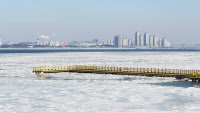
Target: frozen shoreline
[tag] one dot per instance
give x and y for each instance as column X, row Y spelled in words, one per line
column 52, row 50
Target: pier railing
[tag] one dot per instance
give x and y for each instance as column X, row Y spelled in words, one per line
column 117, row 69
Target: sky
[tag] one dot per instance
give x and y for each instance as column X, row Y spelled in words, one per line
column 70, row 20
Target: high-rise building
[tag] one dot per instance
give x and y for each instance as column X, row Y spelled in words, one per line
column 168, row 44
column 165, row 43
column 141, row 40
column 38, row 41
column 137, row 34
column 124, row 42
column 133, row 42
column 159, row 43
column 130, row 42
column 155, row 41
column 151, row 41
column 146, row 39
column 118, row 40
column 110, row 42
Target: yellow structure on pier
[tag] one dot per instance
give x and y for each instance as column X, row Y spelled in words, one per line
column 192, row 74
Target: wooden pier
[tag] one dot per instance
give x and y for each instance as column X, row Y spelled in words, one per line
column 192, row 74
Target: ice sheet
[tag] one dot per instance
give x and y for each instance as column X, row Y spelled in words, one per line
column 23, row 91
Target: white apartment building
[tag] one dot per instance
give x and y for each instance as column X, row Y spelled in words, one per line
column 146, row 39
column 159, row 43
column 141, row 40
column 130, row 42
column 151, row 41
column 165, row 43
column 137, row 36
column 155, row 41
column 124, row 42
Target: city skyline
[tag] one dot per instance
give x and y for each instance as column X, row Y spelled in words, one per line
column 144, row 35
column 86, row 20
column 140, row 40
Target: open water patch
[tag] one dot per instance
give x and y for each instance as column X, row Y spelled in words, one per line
column 184, row 84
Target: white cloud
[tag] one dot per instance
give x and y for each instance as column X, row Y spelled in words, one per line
column 44, row 36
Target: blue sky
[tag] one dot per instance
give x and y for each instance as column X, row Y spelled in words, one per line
column 68, row 20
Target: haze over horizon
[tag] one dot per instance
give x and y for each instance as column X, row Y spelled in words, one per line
column 67, row 20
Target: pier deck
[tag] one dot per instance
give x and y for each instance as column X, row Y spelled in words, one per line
column 192, row 74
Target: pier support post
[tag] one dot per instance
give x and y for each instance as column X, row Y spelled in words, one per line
column 193, row 80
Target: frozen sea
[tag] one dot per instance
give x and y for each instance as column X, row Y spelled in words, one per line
column 23, row 91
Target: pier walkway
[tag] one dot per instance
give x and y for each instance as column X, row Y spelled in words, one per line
column 192, row 74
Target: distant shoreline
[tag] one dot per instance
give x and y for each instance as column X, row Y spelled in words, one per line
column 48, row 50
column 67, row 48
column 83, row 48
